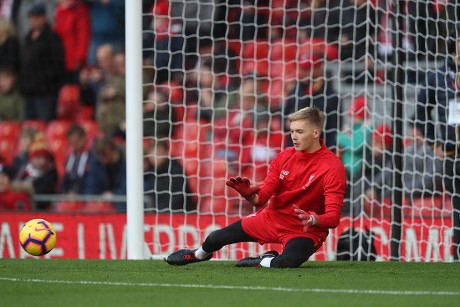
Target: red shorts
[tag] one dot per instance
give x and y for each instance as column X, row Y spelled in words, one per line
column 265, row 229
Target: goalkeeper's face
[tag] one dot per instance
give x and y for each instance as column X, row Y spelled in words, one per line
column 305, row 136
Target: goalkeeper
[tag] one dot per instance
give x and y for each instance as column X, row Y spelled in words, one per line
column 305, row 185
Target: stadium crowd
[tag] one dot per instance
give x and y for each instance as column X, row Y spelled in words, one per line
column 216, row 96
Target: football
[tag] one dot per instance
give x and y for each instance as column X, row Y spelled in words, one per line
column 37, row 237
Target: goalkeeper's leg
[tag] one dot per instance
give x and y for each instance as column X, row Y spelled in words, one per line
column 296, row 252
column 215, row 241
column 233, row 233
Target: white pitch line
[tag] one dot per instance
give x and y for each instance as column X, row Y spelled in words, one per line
column 315, row 290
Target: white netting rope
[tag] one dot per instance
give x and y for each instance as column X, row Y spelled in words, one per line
column 244, row 65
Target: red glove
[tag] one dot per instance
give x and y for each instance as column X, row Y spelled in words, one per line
column 243, row 186
column 308, row 219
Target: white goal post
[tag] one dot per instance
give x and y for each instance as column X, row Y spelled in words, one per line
column 134, row 151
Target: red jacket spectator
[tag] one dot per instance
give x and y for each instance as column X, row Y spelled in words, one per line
column 9, row 199
column 72, row 23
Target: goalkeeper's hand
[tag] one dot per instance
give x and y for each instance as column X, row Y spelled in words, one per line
column 308, row 219
column 243, row 186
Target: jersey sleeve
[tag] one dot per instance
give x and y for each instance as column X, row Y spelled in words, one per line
column 334, row 193
column 271, row 182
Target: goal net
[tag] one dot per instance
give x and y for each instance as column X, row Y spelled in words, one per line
column 220, row 78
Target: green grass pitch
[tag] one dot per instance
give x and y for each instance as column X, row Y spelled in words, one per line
column 31, row 282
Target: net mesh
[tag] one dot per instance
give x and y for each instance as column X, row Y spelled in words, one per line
column 220, row 78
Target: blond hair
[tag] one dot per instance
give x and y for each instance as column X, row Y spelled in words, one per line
column 311, row 114
column 7, row 29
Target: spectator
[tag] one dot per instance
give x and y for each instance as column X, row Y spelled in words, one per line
column 165, row 182
column 93, row 78
column 319, row 14
column 355, row 29
column 107, row 26
column 72, row 24
column 157, row 115
column 422, row 175
column 426, row 28
column 435, row 116
column 451, row 11
column 213, row 98
column 232, row 131
column 11, row 100
column 11, row 200
column 378, row 172
column 386, row 30
column 28, row 135
column 22, row 13
column 42, row 67
column 313, row 89
column 9, row 46
column 215, row 56
column 198, row 17
column 39, row 176
column 107, row 174
column 88, row 88
column 250, row 25
column 78, row 163
column 146, row 13
column 105, row 68
column 352, row 143
column 111, row 104
column 9, row 9
column 264, row 144
column 167, row 39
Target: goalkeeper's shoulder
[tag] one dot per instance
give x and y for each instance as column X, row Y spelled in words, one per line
column 334, row 165
column 284, row 155
column 287, row 152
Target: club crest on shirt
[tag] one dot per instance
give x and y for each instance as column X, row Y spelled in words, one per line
column 309, row 181
column 283, row 174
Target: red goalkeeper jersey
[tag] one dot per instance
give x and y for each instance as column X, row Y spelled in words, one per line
column 313, row 181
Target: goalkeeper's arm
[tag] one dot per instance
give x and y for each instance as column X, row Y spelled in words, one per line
column 330, row 219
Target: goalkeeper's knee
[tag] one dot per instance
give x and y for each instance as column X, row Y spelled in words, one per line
column 287, row 261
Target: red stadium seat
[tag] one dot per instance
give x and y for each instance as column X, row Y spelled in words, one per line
column 58, row 147
column 256, row 50
column 234, row 46
column 8, row 150
column 187, row 138
column 284, row 51
column 57, row 129
column 320, row 48
column 256, row 67
column 10, row 130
